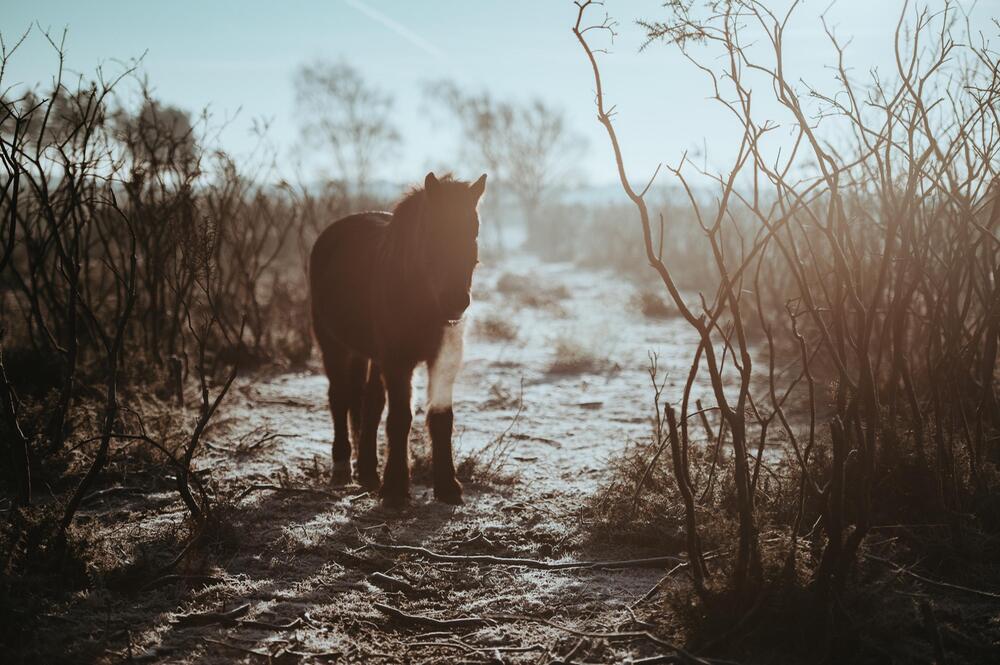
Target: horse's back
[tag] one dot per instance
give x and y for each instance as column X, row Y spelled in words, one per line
column 340, row 280
column 346, row 236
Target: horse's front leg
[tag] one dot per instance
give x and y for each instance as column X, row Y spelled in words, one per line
column 396, row 477
column 441, row 417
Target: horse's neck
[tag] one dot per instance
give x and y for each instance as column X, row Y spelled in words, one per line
column 402, row 246
column 402, row 268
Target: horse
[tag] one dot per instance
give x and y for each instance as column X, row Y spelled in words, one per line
column 388, row 292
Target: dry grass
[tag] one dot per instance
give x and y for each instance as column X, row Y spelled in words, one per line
column 653, row 304
column 572, row 356
column 495, row 326
column 640, row 505
column 532, row 291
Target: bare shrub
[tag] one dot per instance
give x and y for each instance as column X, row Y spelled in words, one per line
column 531, row 290
column 866, row 261
column 501, row 397
column 490, row 463
column 138, row 264
column 652, row 304
column 573, row 356
column 495, row 326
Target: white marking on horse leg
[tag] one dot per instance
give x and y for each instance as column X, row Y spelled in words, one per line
column 442, row 371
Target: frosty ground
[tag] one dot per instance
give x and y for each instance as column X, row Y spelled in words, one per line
column 554, row 385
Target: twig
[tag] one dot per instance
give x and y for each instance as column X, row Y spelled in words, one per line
column 526, row 563
column 209, row 618
column 445, row 624
column 390, row 583
column 684, row 656
column 265, row 625
column 357, row 497
column 237, row 647
column 656, row 587
column 111, row 491
column 946, row 585
column 285, row 490
column 317, row 654
column 180, row 555
column 446, row 645
column 167, row 579
column 715, row 554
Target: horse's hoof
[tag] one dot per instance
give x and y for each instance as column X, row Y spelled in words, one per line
column 394, row 496
column 341, row 473
column 449, row 492
column 395, row 501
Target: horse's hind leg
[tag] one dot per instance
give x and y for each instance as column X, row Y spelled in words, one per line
column 440, row 416
column 337, row 363
column 372, row 405
column 357, row 368
column 395, row 489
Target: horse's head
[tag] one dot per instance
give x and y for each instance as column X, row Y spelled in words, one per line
column 451, row 241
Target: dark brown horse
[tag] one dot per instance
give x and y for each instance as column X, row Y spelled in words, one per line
column 388, row 292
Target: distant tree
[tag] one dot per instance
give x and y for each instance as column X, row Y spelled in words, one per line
column 528, row 149
column 338, row 107
column 158, row 137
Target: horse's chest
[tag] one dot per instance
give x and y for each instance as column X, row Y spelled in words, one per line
column 411, row 341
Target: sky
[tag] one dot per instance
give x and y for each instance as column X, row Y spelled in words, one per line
column 239, row 58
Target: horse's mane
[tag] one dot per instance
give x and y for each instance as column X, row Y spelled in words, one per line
column 410, row 207
column 405, row 230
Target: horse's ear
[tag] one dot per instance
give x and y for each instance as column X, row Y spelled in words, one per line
column 431, row 182
column 478, row 187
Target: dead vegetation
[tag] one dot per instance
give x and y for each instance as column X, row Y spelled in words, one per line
column 575, row 356
column 151, row 512
column 531, row 291
column 496, row 326
column 866, row 261
column 652, row 304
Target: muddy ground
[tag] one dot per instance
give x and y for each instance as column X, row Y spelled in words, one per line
column 554, row 384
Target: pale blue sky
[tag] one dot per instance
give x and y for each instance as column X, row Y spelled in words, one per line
column 232, row 55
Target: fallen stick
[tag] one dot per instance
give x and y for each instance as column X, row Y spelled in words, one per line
column 445, row 624
column 286, row 490
column 111, row 491
column 242, row 448
column 180, row 556
column 209, row 618
column 682, row 655
column 947, row 585
column 659, row 585
column 665, row 659
column 264, row 625
column 237, row 647
column 312, row 654
column 390, row 583
column 167, row 579
column 445, row 645
column 526, row 563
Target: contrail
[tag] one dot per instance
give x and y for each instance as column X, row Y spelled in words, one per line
column 400, row 30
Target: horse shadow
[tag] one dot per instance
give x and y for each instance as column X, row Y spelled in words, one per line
column 288, row 556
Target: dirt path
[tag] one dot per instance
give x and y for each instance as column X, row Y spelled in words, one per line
column 537, row 417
